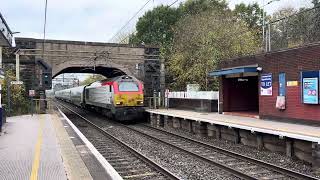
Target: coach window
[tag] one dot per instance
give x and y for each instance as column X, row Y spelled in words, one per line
column 282, row 84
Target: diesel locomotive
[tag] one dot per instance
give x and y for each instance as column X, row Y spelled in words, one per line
column 120, row 98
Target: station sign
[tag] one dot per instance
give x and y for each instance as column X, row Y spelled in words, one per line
column 16, row 82
column 193, row 87
column 32, row 93
column 167, row 92
column 266, row 85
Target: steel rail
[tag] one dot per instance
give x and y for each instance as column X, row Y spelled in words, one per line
column 220, row 165
column 267, row 165
column 217, row 164
column 153, row 164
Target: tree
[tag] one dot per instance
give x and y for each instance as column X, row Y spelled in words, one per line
column 291, row 27
column 315, row 18
column 251, row 14
column 201, row 41
column 92, row 78
column 193, row 7
column 155, row 26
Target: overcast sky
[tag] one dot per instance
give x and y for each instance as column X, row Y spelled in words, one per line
column 90, row 20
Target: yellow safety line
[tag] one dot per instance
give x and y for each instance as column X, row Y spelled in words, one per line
column 36, row 160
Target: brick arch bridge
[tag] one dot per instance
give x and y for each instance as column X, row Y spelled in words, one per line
column 108, row 59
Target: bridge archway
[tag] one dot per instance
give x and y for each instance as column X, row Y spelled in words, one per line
column 108, row 72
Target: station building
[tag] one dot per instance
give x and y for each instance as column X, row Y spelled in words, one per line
column 281, row 85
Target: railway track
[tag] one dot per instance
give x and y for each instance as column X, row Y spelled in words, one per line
column 129, row 163
column 236, row 164
column 242, row 166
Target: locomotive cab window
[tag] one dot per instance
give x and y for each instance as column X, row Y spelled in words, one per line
column 128, row 86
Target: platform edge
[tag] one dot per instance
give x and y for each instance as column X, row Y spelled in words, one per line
column 109, row 169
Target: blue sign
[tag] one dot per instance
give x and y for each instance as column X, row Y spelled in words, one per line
column 282, row 84
column 266, row 85
column 310, row 90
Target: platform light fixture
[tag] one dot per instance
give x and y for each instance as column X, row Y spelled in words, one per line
column 259, row 69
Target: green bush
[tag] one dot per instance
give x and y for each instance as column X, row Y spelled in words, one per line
column 18, row 99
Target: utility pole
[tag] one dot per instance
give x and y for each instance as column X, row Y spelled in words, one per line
column 266, row 34
column 17, row 67
column 162, row 80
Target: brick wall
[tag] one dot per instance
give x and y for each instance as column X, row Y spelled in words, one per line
column 291, row 62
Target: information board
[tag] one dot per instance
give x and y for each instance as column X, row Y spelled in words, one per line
column 266, row 85
column 310, row 88
column 32, row 93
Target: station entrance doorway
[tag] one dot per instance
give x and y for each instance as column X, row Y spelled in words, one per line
column 241, row 96
column 240, row 91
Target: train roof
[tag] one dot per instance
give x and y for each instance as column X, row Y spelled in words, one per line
column 117, row 78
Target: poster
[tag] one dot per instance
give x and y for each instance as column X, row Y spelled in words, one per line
column 310, row 91
column 266, row 85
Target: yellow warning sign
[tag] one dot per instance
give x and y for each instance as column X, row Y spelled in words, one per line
column 292, row 83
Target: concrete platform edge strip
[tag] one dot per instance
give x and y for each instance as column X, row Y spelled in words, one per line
column 250, row 128
column 109, row 169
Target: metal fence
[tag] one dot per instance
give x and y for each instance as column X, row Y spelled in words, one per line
column 292, row 28
column 41, row 106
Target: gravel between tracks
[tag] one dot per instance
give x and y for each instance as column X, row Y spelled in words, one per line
column 264, row 155
column 177, row 162
column 190, row 168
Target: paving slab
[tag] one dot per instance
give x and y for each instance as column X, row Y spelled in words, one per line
column 29, row 149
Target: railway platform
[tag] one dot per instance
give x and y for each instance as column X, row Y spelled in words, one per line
column 44, row 146
column 293, row 139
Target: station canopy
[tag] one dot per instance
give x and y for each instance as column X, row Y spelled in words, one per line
column 5, row 33
column 235, row 70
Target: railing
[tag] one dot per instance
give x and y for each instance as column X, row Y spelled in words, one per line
column 209, row 95
column 40, row 106
column 154, row 102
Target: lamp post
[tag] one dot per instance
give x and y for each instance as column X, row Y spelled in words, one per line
column 264, row 24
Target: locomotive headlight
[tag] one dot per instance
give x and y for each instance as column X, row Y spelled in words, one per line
column 119, row 103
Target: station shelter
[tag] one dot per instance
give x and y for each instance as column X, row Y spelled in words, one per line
column 282, row 85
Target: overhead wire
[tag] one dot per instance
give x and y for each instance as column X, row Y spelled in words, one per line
column 123, row 39
column 130, row 20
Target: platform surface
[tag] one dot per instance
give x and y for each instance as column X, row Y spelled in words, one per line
column 30, row 149
column 292, row 130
